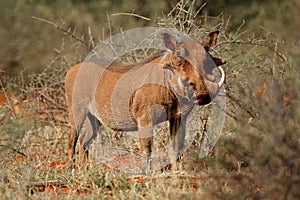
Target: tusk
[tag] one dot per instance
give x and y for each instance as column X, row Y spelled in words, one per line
column 220, row 83
column 180, row 84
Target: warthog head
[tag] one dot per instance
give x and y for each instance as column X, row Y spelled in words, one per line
column 196, row 66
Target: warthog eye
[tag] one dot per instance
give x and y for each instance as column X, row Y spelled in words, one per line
column 192, row 84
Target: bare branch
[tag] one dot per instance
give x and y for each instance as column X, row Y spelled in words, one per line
column 61, row 28
column 131, row 14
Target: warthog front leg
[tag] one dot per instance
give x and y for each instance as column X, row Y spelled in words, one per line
column 146, row 140
column 177, row 131
column 73, row 137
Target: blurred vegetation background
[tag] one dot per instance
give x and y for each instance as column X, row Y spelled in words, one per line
column 29, row 44
column 257, row 156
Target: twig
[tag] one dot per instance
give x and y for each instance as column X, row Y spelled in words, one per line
column 92, row 42
column 259, row 43
column 201, row 7
column 132, row 14
column 43, row 183
column 239, row 103
column 174, row 8
column 68, row 32
column 15, row 150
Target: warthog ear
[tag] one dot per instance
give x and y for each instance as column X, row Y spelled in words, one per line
column 211, row 40
column 170, row 41
column 181, row 52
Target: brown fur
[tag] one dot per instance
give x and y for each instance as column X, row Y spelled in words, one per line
column 146, row 105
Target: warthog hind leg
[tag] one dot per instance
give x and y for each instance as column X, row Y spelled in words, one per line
column 87, row 136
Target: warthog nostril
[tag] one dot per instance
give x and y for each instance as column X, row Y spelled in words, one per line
column 191, row 87
column 194, row 99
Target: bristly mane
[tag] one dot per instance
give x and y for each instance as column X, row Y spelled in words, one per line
column 123, row 68
column 152, row 57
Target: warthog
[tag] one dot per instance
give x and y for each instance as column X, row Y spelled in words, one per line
column 177, row 79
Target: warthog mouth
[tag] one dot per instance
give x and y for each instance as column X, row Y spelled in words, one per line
column 208, row 95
